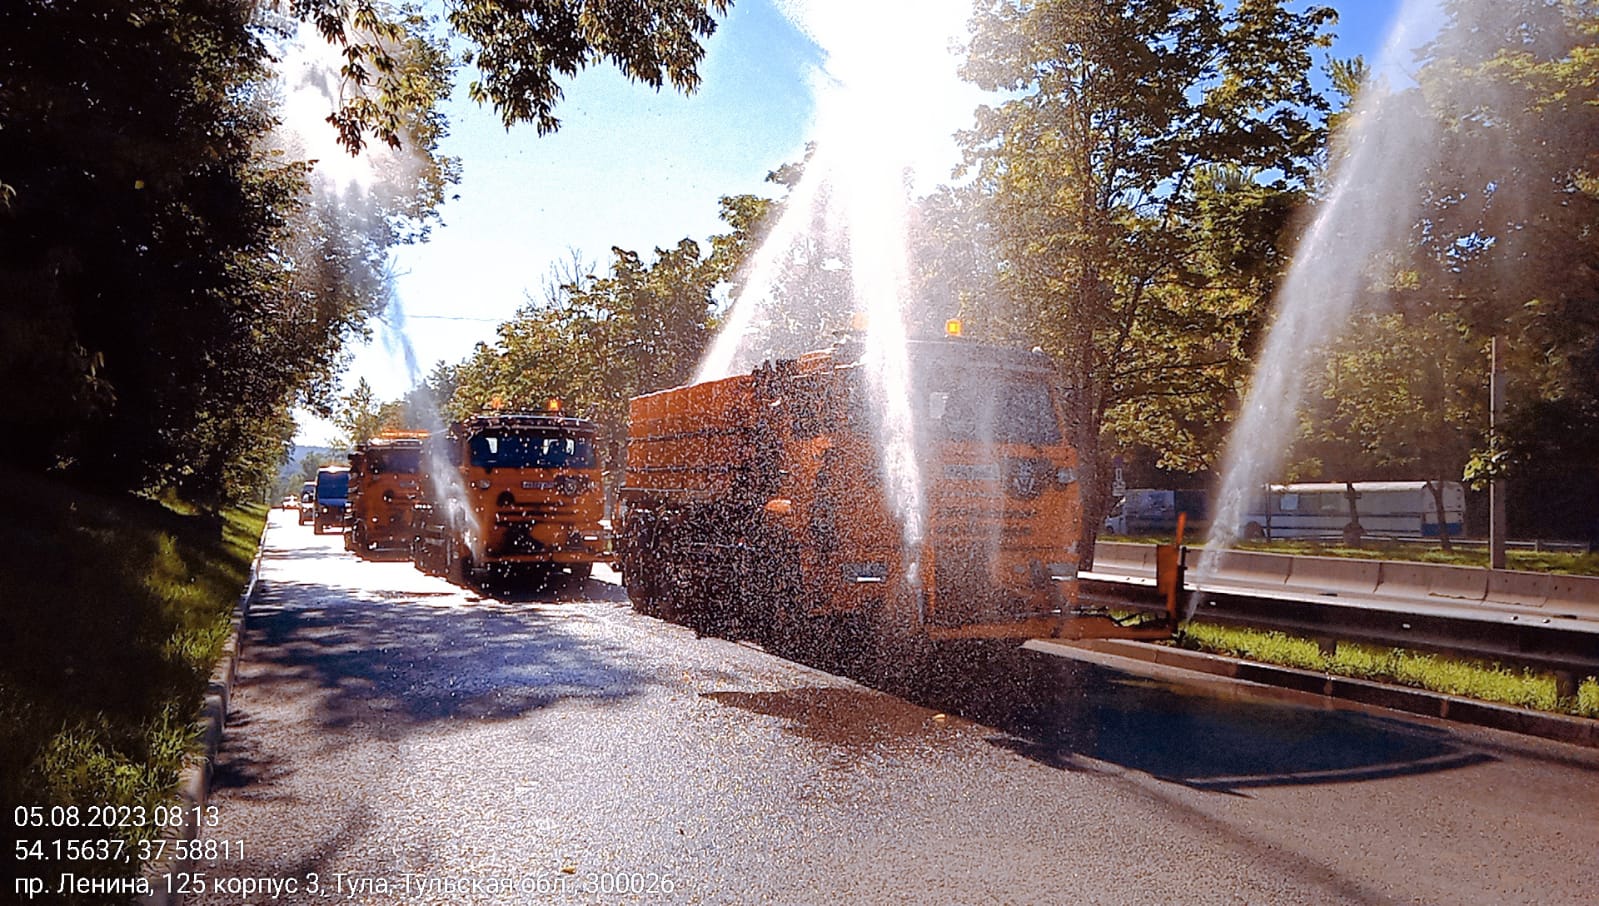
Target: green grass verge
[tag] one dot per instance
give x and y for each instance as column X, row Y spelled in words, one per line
column 112, row 612
column 1532, row 561
column 1469, row 679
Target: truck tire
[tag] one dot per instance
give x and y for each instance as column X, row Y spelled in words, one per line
column 897, row 650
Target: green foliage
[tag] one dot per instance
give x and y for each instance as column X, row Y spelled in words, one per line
column 96, row 701
column 1508, row 237
column 520, row 51
column 1504, row 246
column 595, row 342
column 1521, row 559
column 172, row 284
column 1469, row 679
column 310, row 464
column 1139, row 176
column 174, row 280
column 360, row 415
column 1400, row 395
column 598, row 341
column 1485, row 466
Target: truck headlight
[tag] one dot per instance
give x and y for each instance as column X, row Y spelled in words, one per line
column 1062, row 572
column 865, row 573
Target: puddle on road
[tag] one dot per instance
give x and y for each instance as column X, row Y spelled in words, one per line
column 849, row 718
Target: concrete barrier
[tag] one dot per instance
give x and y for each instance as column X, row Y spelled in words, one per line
column 1458, row 583
column 1124, row 557
column 1247, row 568
column 1333, row 574
column 1577, row 595
column 1523, row 589
column 1405, row 580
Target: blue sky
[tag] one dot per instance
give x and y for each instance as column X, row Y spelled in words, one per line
column 629, row 167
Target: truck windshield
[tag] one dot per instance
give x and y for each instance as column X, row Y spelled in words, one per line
column 540, row 450
column 988, row 406
column 381, row 462
column 331, row 485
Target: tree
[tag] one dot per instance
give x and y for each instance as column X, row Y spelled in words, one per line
column 178, row 281
column 520, row 51
column 598, row 341
column 361, row 416
column 1141, row 170
column 1508, row 236
column 1402, row 395
column 174, row 277
column 311, row 463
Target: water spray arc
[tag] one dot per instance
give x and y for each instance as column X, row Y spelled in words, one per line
column 1371, row 207
column 878, row 112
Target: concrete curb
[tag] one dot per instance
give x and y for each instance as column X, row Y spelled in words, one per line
column 1340, row 691
column 194, row 784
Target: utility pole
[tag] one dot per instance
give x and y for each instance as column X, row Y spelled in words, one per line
column 1496, row 487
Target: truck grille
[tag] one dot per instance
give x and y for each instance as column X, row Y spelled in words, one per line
column 967, row 590
column 528, row 512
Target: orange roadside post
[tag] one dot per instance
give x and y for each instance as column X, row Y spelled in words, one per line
column 1169, row 568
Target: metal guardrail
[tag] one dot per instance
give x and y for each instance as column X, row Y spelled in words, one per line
column 1538, row 620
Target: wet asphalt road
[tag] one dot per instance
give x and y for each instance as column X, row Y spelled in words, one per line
column 397, row 740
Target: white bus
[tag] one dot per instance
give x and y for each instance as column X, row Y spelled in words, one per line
column 1387, row 509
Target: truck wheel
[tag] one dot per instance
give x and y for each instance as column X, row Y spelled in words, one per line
column 897, row 651
column 639, row 593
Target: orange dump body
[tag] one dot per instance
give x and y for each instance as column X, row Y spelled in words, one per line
column 513, row 490
column 783, row 473
column 384, row 488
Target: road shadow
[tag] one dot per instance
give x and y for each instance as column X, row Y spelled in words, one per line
column 559, row 588
column 397, row 659
column 1206, row 735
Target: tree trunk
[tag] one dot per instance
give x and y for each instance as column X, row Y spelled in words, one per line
column 1437, row 488
column 1093, row 499
column 1354, row 532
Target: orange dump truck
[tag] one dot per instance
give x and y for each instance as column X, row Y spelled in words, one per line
column 756, row 505
column 511, row 493
column 383, row 492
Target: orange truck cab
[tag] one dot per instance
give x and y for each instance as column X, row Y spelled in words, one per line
column 384, row 476
column 759, row 505
column 511, row 493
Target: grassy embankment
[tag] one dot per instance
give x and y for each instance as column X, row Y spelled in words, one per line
column 1469, row 679
column 1532, row 561
column 112, row 613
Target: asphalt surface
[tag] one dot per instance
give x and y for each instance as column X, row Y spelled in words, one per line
column 395, row 739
